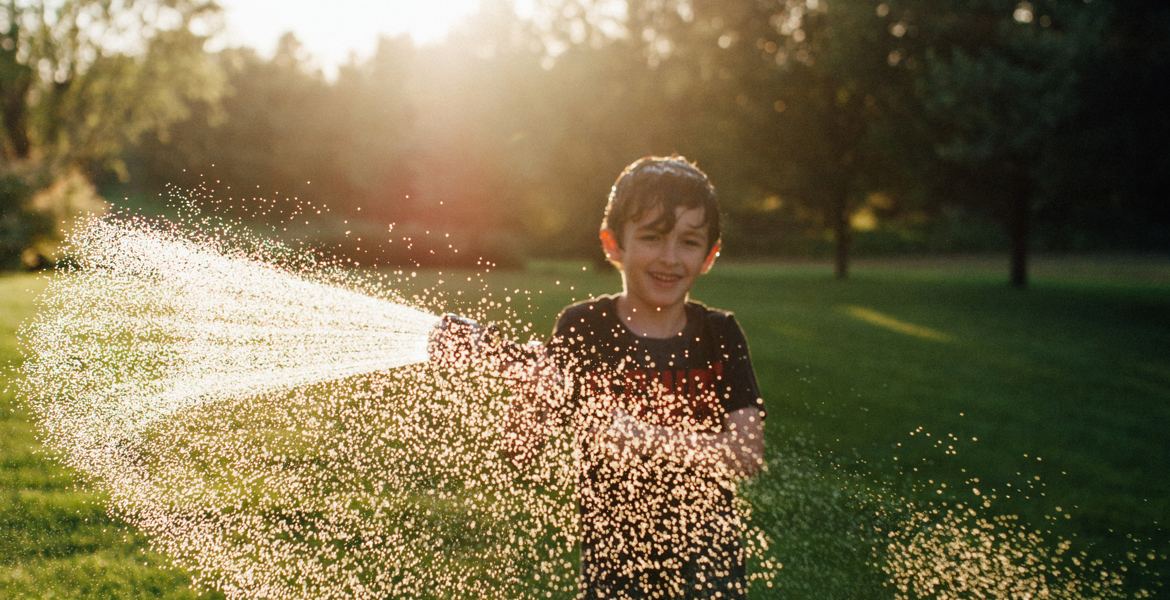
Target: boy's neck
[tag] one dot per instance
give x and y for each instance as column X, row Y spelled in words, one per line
column 651, row 321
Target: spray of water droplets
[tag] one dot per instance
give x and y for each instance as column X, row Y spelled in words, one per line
column 152, row 325
column 277, row 431
column 844, row 534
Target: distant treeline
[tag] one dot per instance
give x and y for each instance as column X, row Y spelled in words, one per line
column 828, row 126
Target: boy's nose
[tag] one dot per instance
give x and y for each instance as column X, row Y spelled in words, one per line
column 669, row 252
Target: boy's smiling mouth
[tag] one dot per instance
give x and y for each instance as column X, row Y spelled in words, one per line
column 665, row 277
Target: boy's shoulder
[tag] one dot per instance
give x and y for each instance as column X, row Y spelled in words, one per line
column 602, row 310
column 588, row 312
column 603, row 302
column 694, row 307
column 720, row 323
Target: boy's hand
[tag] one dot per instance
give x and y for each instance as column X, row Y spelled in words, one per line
column 456, row 342
column 525, row 366
column 534, row 378
column 538, row 389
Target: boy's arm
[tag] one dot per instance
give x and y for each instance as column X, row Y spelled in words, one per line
column 535, row 379
column 526, row 428
column 736, row 451
column 529, row 420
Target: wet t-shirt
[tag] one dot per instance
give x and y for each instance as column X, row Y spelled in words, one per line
column 644, row 519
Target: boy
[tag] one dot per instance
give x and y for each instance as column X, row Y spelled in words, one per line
column 661, row 394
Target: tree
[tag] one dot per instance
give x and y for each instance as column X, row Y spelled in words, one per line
column 20, row 228
column 562, row 105
column 1110, row 176
column 999, row 82
column 82, row 79
column 281, row 124
column 838, row 83
column 86, row 78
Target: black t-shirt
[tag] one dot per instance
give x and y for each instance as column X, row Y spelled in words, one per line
column 641, row 517
column 691, row 381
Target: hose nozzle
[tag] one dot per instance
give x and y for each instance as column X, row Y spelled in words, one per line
column 457, row 341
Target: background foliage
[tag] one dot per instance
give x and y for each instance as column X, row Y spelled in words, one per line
column 860, row 125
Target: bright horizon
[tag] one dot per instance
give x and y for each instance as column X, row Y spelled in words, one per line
column 331, row 31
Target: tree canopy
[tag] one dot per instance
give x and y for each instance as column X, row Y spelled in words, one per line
column 830, row 127
column 80, row 82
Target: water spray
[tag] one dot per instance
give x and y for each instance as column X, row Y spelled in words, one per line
column 291, row 433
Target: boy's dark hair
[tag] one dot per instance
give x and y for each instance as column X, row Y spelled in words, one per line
column 667, row 183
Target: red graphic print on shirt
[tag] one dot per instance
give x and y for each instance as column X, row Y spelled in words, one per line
column 685, row 399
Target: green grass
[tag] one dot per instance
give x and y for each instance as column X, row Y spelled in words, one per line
column 56, row 540
column 1068, row 381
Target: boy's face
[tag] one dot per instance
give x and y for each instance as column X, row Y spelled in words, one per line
column 660, row 268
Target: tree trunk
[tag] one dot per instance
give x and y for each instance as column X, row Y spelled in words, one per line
column 843, row 236
column 14, row 115
column 15, row 81
column 1020, row 220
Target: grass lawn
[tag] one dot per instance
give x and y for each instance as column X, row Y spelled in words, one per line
column 917, row 373
column 56, row 540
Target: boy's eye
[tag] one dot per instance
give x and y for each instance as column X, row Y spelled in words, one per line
column 649, row 237
column 693, row 242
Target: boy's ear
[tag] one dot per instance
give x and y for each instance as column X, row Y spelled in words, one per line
column 711, row 256
column 609, row 243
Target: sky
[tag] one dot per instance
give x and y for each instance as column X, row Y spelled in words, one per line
column 331, row 30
